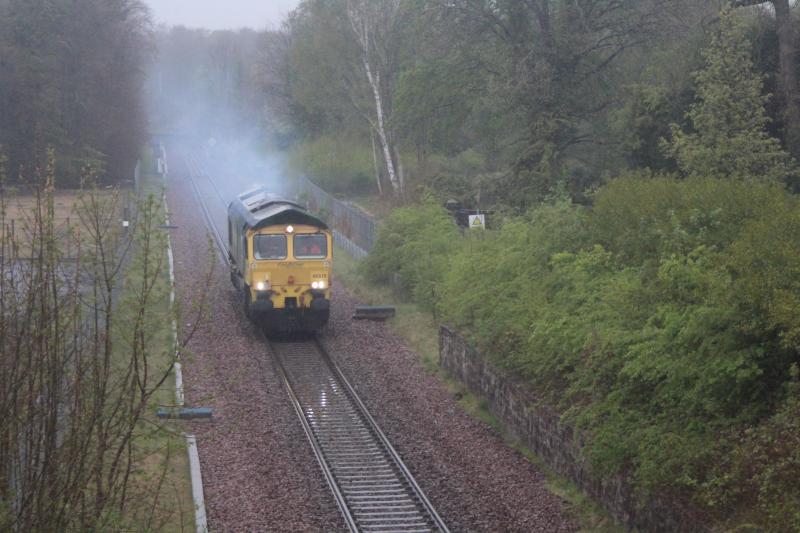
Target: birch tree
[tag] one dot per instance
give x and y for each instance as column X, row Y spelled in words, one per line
column 373, row 24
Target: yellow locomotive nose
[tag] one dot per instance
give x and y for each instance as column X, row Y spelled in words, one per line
column 281, row 261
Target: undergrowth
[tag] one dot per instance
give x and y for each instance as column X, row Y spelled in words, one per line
column 663, row 321
column 418, row 328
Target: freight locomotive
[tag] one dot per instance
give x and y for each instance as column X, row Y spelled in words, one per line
column 281, row 262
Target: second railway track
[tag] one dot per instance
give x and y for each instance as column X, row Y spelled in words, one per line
column 372, row 486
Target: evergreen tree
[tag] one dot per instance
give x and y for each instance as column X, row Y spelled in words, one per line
column 729, row 138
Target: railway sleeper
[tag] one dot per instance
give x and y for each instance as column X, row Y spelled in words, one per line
column 362, row 450
column 405, row 508
column 376, row 511
column 360, row 477
column 356, row 454
column 331, row 426
column 393, row 526
column 354, row 448
column 369, row 483
column 424, row 526
column 426, row 530
column 322, row 422
column 404, row 497
column 341, row 434
column 374, row 491
column 333, row 414
column 358, row 458
column 403, row 522
column 361, row 465
column 368, row 468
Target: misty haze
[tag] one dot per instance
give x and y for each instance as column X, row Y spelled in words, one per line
column 399, row 265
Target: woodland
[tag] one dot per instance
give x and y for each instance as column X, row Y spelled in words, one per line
column 71, row 79
column 639, row 158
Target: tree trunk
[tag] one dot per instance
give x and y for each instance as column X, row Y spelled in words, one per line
column 367, row 24
column 374, row 82
column 786, row 59
column 786, row 56
column 375, row 163
column 401, row 178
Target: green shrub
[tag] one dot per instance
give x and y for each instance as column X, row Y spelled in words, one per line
column 758, row 477
column 413, row 249
column 491, row 287
column 640, row 218
column 664, row 321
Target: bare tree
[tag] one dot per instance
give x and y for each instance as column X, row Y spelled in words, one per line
column 373, row 23
column 76, row 358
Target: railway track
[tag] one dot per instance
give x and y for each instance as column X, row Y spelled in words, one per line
column 370, row 483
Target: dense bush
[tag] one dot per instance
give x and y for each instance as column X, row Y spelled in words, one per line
column 663, row 320
column 413, row 249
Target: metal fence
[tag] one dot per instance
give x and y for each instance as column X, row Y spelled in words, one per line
column 353, row 230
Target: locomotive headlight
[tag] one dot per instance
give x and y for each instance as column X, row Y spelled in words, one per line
column 289, row 229
column 317, row 284
column 261, row 286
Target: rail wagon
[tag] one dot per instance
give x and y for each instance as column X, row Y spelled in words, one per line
column 280, row 258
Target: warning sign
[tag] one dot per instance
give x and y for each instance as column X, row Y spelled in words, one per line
column 477, row 221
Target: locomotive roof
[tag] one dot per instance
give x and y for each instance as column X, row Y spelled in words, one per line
column 259, row 208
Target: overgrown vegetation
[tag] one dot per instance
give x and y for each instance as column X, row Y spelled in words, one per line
column 413, row 323
column 660, row 315
column 84, row 357
column 662, row 321
column 509, row 102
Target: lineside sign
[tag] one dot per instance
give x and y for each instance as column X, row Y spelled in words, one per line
column 477, row 221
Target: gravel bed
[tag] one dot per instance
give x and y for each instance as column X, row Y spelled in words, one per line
column 259, row 472
column 473, row 479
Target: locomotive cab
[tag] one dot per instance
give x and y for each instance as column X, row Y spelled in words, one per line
column 280, row 257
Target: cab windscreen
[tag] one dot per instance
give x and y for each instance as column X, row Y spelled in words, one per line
column 269, row 246
column 310, row 246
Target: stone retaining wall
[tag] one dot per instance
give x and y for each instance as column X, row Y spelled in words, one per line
column 539, row 428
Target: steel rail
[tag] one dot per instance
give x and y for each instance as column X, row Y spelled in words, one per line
column 372, row 487
column 377, row 487
column 215, row 234
column 437, row 520
column 341, row 503
column 332, row 485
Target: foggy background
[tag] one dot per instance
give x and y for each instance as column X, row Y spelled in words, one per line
column 205, row 88
column 218, row 15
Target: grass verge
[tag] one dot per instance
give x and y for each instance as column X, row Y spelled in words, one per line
column 161, row 483
column 420, row 330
